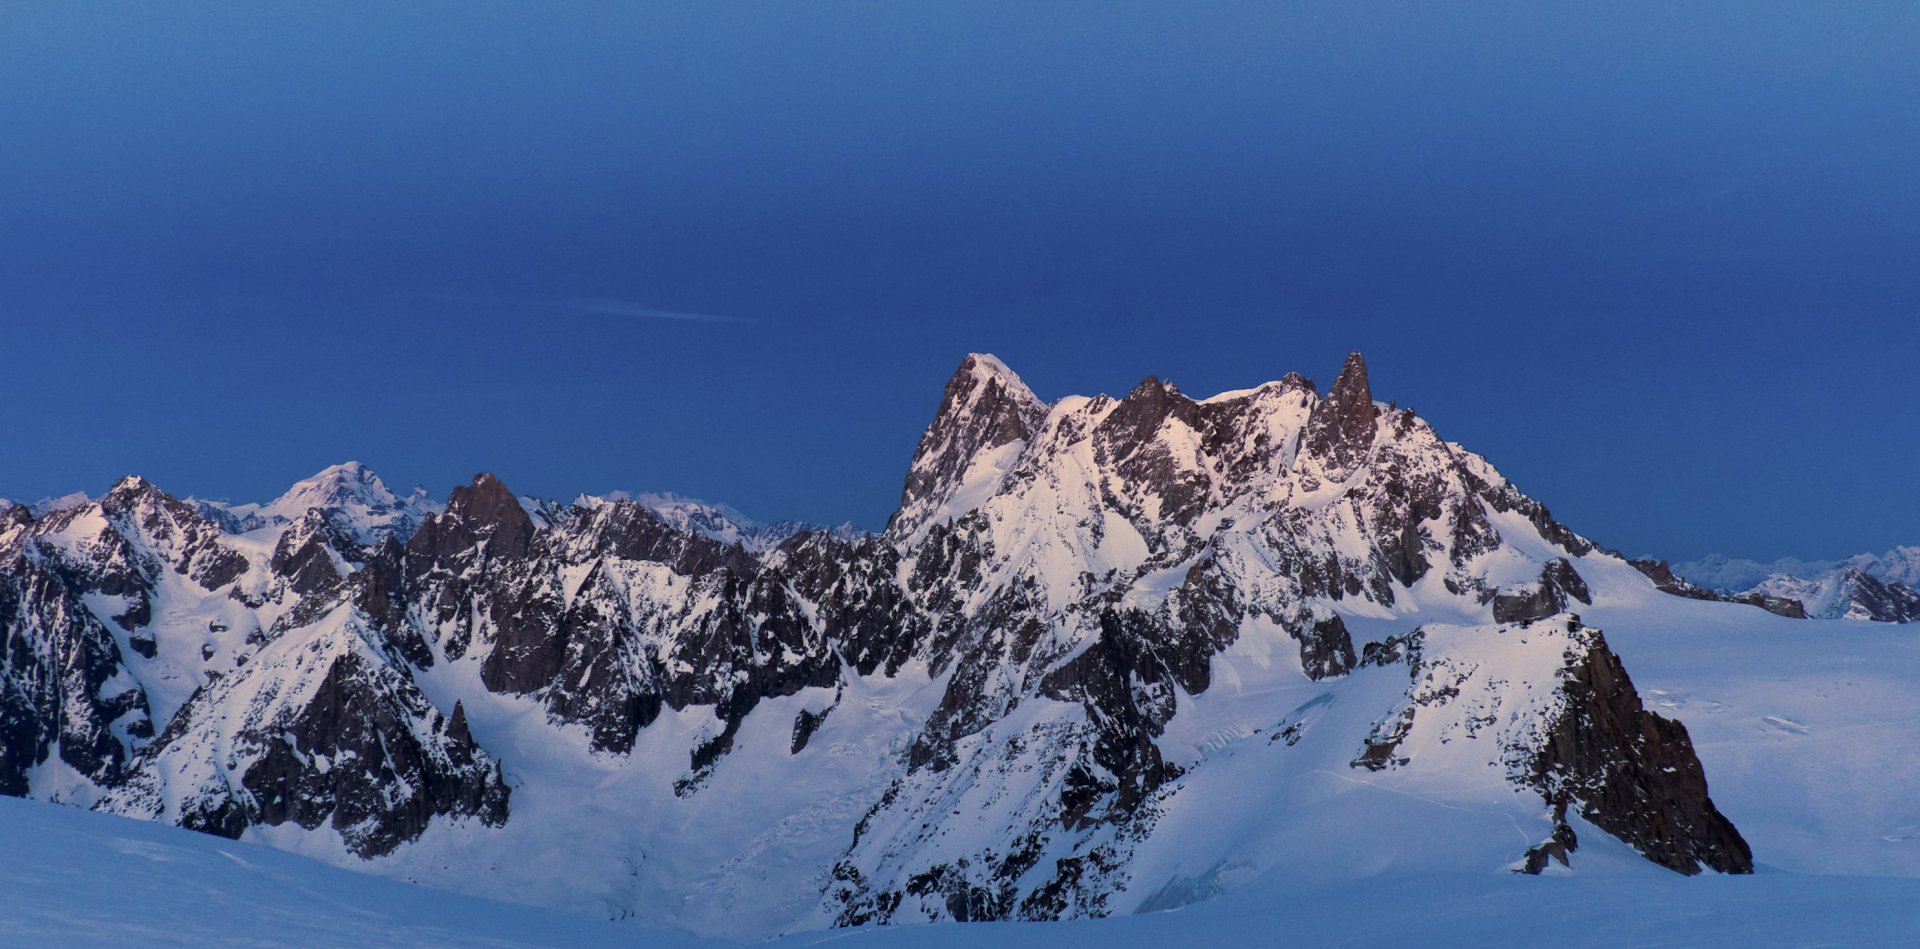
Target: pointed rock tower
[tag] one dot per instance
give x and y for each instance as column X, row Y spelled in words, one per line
column 985, row 418
column 1341, row 428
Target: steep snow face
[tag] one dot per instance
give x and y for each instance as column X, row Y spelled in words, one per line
column 351, row 496
column 1105, row 648
column 320, row 728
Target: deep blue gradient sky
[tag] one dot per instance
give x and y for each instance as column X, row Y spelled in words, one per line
column 1660, row 263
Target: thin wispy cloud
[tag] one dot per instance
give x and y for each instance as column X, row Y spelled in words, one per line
column 594, row 306
column 641, row 311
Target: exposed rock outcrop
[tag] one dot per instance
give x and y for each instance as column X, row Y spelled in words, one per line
column 1666, row 581
column 324, row 731
column 1631, row 772
column 1559, row 583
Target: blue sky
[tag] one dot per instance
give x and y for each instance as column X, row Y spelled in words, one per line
column 1657, row 263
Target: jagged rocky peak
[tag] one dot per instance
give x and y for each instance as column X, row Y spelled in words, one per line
column 986, row 415
column 148, row 529
column 482, row 511
column 1341, row 427
column 314, row 554
column 138, row 503
column 128, row 491
column 1142, row 411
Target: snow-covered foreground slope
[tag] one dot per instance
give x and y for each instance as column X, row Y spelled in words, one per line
column 1763, row 910
column 1809, row 729
column 72, row 878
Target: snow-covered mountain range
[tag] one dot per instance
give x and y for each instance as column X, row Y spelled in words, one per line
column 727, row 525
column 1110, row 655
column 1878, row 587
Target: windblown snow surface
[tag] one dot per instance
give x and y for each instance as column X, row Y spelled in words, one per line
column 75, row 878
column 1806, row 729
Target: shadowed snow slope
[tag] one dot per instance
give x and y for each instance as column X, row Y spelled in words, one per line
column 72, row 878
column 79, row 879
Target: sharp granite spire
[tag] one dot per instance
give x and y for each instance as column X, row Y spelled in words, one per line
column 1341, row 429
column 985, row 417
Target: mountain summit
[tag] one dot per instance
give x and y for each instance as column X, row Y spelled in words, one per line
column 985, row 417
column 349, row 495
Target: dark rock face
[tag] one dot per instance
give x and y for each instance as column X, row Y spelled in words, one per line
column 1666, row 581
column 1325, row 647
column 1558, row 584
column 56, row 661
column 1127, row 441
column 598, row 650
column 1341, row 429
column 1560, row 575
column 305, row 555
column 481, row 512
column 1881, row 600
column 860, row 602
column 1777, row 605
column 383, row 783
column 1633, row 773
column 1130, row 690
column 357, row 748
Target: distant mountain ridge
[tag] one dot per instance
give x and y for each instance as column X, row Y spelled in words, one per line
column 728, row 526
column 1875, row 587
